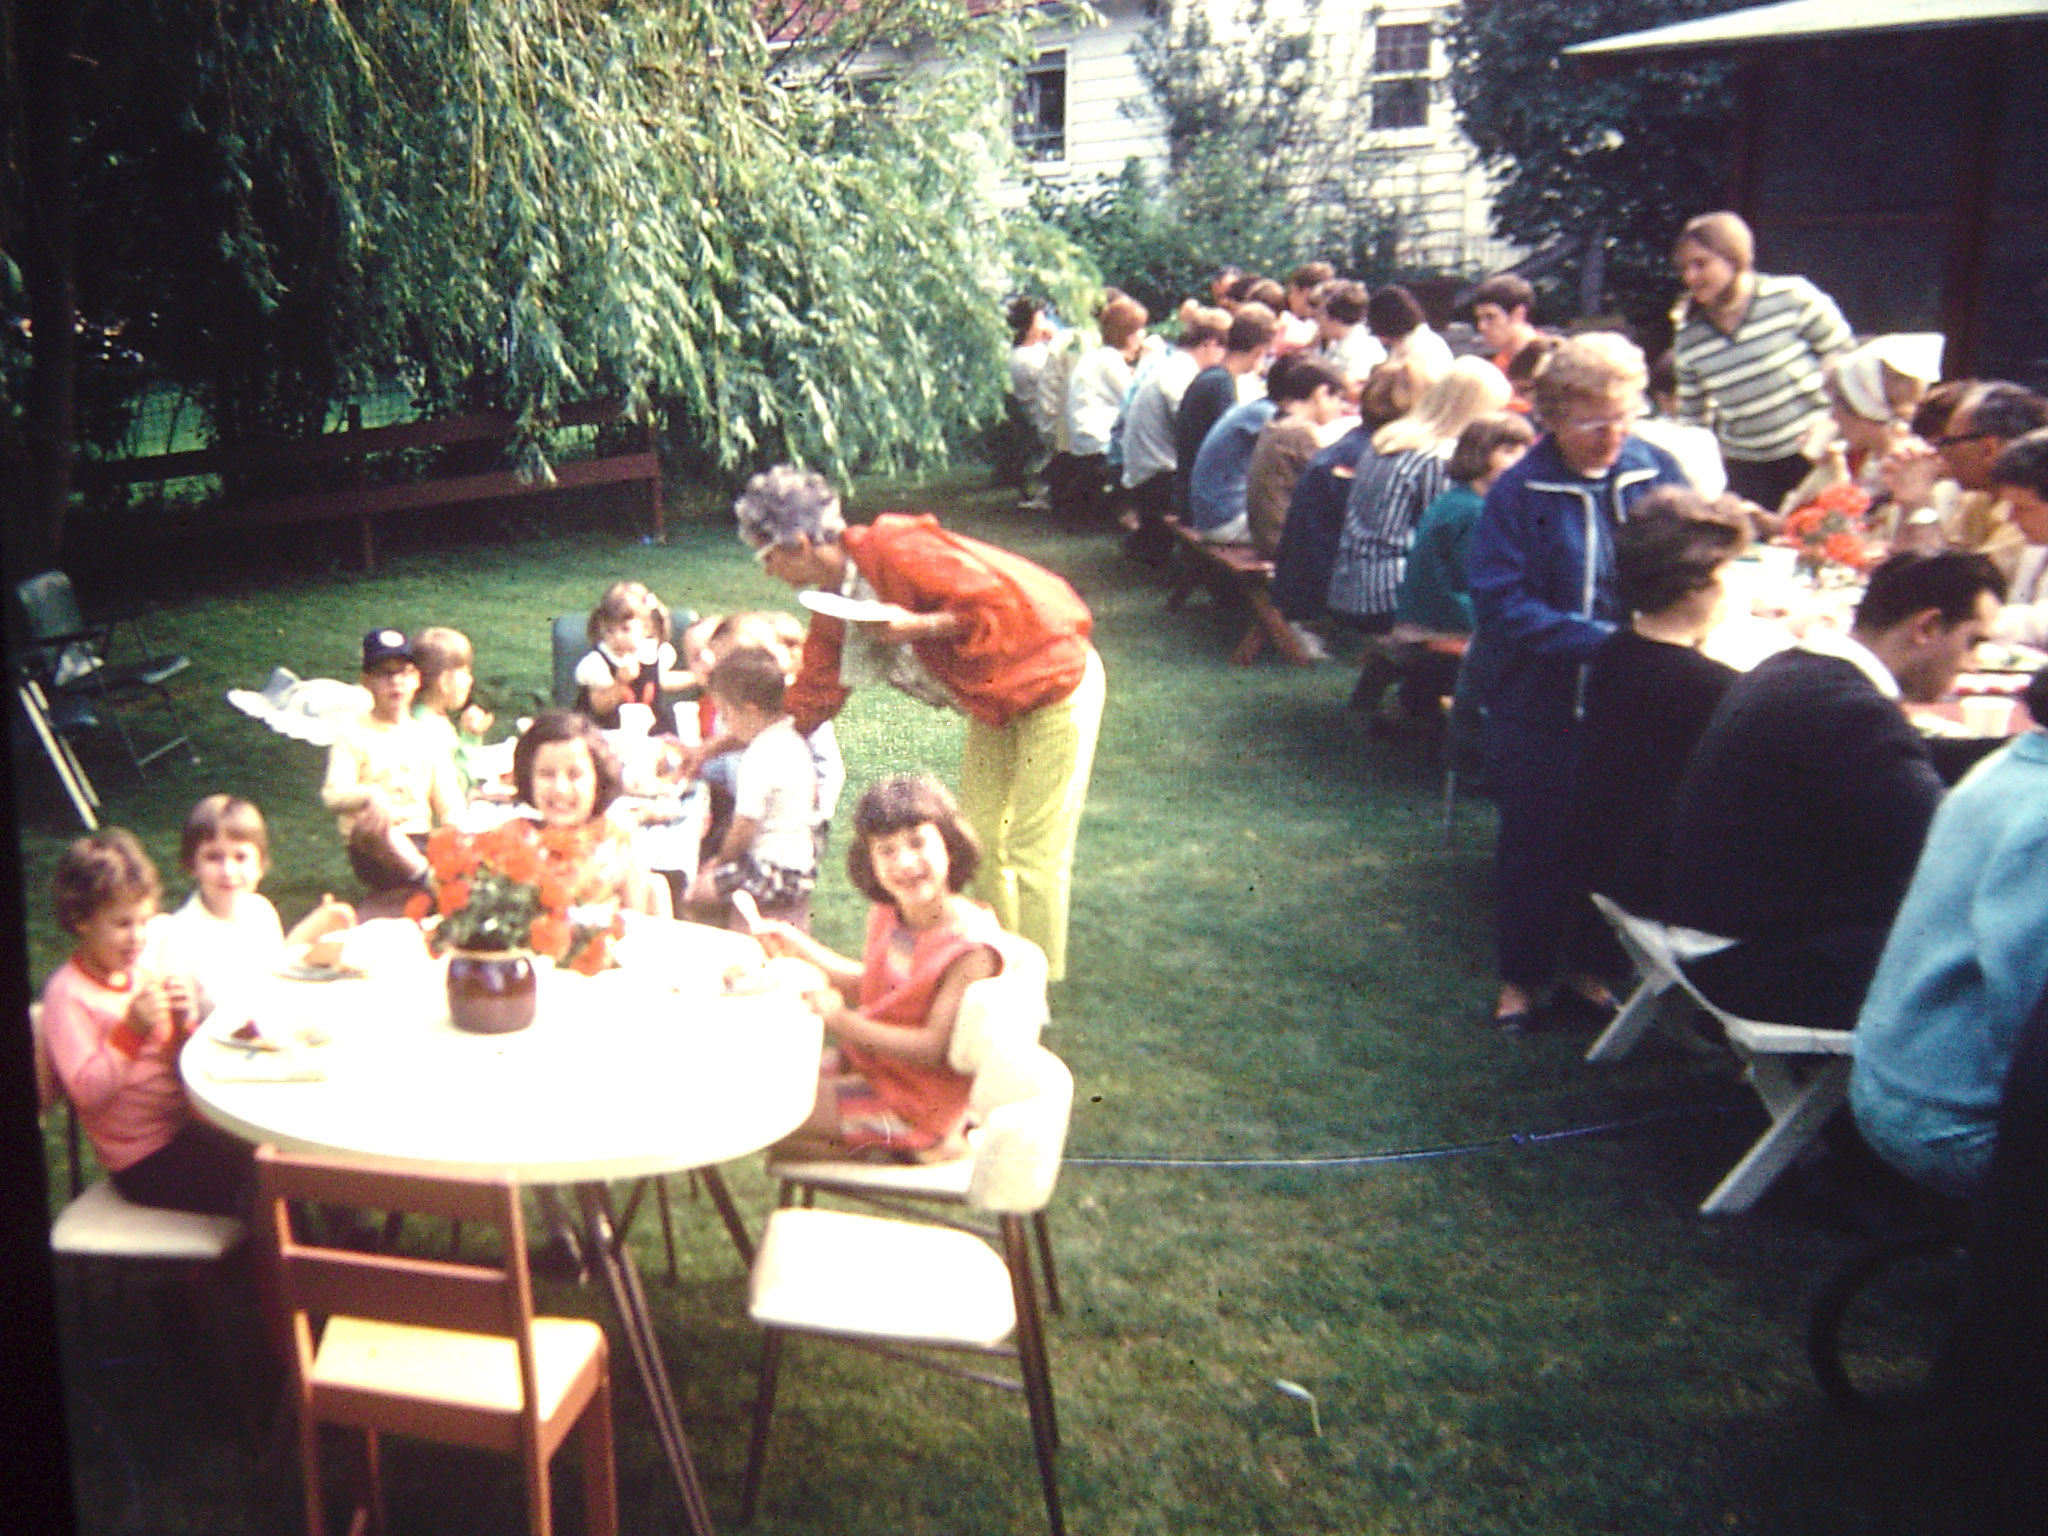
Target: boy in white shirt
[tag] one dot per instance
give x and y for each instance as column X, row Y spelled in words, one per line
column 768, row 851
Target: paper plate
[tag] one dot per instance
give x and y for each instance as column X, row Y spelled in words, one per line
column 853, row 610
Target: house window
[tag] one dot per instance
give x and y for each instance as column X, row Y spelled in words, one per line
column 1400, row 76
column 1040, row 126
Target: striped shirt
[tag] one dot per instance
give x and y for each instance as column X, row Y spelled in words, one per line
column 1388, row 498
column 1760, row 388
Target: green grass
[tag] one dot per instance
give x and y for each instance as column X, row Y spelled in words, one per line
column 1275, row 956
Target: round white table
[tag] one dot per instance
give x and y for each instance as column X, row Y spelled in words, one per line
column 641, row 1070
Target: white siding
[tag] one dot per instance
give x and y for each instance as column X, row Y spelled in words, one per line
column 1430, row 174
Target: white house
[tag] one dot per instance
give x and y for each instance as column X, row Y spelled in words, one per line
column 1085, row 110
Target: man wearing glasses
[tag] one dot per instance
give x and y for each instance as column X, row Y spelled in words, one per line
column 1989, row 416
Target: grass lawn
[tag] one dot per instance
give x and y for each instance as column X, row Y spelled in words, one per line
column 1277, row 962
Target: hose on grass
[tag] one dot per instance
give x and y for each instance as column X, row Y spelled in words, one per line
column 1412, row 1154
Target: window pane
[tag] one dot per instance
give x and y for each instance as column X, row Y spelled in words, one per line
column 1401, row 50
column 1400, row 103
column 1041, row 112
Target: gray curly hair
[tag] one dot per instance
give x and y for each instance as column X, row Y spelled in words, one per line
column 781, row 504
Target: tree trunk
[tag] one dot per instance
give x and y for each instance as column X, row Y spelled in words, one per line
column 48, row 35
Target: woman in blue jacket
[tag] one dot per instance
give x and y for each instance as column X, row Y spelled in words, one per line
column 1542, row 572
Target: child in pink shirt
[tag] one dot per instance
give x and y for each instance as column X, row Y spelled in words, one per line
column 886, row 1087
column 113, row 1030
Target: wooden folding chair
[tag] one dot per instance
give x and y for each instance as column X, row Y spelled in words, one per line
column 1802, row 1076
column 1001, row 1015
column 1660, row 999
column 436, row 1350
column 921, row 1293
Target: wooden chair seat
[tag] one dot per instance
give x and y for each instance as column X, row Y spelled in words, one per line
column 431, row 1349
column 473, row 1372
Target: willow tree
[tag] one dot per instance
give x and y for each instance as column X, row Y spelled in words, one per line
column 787, row 231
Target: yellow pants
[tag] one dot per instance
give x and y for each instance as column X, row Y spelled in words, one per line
column 1022, row 788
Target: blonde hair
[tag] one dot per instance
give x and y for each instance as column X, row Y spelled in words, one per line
column 1592, row 367
column 1721, row 234
column 1473, row 388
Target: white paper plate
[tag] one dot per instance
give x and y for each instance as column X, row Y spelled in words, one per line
column 853, row 610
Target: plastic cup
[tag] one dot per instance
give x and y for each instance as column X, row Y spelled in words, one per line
column 1987, row 715
column 636, row 719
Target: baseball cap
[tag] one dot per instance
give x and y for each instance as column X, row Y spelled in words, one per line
column 382, row 645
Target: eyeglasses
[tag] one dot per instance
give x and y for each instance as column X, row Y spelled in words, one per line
column 1950, row 439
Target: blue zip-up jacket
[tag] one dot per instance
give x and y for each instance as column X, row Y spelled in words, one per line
column 1541, row 564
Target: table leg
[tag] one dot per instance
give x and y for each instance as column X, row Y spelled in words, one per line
column 735, row 1228
column 615, row 1264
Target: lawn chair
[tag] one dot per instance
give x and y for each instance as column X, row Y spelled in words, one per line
column 449, row 1352
column 84, row 681
column 1000, row 1016
column 53, row 731
column 920, row 1293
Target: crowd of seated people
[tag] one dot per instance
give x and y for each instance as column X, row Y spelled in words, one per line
column 1564, row 580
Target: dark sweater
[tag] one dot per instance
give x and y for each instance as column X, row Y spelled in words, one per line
column 1212, row 392
column 1804, row 807
column 1647, row 705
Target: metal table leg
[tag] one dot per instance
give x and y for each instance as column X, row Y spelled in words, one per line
column 614, row 1263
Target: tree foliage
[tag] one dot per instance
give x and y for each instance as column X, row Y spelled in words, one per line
column 522, row 202
column 1624, row 158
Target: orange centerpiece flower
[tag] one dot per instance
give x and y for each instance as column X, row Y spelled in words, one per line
column 517, row 887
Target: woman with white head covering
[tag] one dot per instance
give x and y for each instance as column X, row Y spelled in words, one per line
column 1872, row 391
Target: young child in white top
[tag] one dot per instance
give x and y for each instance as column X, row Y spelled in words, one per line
column 630, row 660
column 768, row 849
column 227, row 932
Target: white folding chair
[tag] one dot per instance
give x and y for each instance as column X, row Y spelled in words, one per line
column 999, row 1016
column 918, row 1292
column 100, row 1222
column 1802, row 1076
column 1658, row 996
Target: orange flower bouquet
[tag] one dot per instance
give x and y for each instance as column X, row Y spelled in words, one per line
column 519, row 886
column 1830, row 530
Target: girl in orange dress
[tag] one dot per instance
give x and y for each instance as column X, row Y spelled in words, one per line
column 885, row 1088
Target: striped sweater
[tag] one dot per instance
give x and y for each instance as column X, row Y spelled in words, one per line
column 1388, row 498
column 1760, row 388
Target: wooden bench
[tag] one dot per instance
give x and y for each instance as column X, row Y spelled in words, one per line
column 363, row 498
column 1234, row 573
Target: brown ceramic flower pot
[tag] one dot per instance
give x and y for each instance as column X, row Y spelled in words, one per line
column 491, row 993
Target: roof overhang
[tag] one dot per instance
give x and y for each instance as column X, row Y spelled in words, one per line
column 1759, row 26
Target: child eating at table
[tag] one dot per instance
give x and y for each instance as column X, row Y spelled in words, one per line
column 567, row 774
column 782, row 636
column 886, row 1089
column 768, row 849
column 447, row 663
column 630, row 660
column 227, row 931
column 113, row 1028
column 389, row 778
